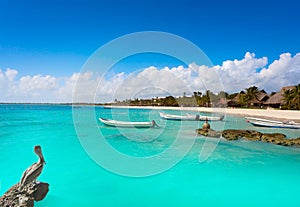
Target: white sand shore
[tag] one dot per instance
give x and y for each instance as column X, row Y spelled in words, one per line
column 277, row 114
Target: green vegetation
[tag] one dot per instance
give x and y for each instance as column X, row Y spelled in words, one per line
column 292, row 98
column 197, row 99
column 251, row 97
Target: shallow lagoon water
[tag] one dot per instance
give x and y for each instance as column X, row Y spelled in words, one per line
column 237, row 173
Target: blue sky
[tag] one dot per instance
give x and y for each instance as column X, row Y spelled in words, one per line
column 56, row 37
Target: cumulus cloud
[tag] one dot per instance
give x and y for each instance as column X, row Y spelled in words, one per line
column 239, row 74
column 10, row 74
column 26, row 89
column 231, row 76
column 37, row 83
column 7, row 84
column 282, row 72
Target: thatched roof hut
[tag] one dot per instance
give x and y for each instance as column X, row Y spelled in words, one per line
column 261, row 98
column 237, row 97
column 277, row 99
column 236, row 100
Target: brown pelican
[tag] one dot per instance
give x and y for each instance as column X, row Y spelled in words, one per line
column 34, row 170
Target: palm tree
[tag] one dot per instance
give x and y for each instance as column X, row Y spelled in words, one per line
column 195, row 94
column 288, row 98
column 251, row 94
column 243, row 99
column 205, row 99
column 209, row 98
column 296, row 96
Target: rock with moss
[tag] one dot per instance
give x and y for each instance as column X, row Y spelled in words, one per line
column 275, row 138
column 208, row 133
column 234, row 134
column 296, row 141
column 252, row 135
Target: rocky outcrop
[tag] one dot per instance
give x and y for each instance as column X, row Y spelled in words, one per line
column 252, row 135
column 296, row 141
column 26, row 196
column 232, row 134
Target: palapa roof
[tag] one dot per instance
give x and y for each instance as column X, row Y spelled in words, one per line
column 261, row 97
column 237, row 97
column 278, row 98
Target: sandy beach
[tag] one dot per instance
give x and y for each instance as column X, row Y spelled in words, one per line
column 270, row 113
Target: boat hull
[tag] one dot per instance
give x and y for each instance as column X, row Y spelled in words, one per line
column 115, row 123
column 189, row 117
column 274, row 125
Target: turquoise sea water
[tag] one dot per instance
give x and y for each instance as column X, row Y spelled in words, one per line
column 237, row 173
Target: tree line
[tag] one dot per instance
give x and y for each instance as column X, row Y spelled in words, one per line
column 292, row 98
column 245, row 99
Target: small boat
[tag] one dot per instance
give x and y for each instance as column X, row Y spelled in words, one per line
column 274, row 124
column 176, row 117
column 190, row 117
column 263, row 120
column 208, row 118
column 116, row 123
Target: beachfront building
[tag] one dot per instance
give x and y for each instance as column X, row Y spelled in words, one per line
column 242, row 100
column 259, row 100
column 277, row 100
column 237, row 101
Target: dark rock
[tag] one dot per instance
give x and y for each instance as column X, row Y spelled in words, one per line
column 231, row 134
column 252, row 135
column 273, row 138
column 26, row 196
column 208, row 133
column 41, row 191
column 235, row 134
column 296, row 141
column 287, row 142
column 273, row 135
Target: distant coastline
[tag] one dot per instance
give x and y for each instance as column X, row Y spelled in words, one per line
column 288, row 98
column 276, row 114
column 271, row 113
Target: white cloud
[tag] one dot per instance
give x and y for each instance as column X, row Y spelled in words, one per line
column 37, row 83
column 231, row 76
column 239, row 74
column 282, row 72
column 11, row 74
column 7, row 84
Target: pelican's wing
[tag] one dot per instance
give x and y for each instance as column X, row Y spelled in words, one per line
column 25, row 173
column 31, row 173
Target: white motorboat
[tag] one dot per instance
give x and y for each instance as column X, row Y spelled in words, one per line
column 116, row 123
column 272, row 123
column 190, row 117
